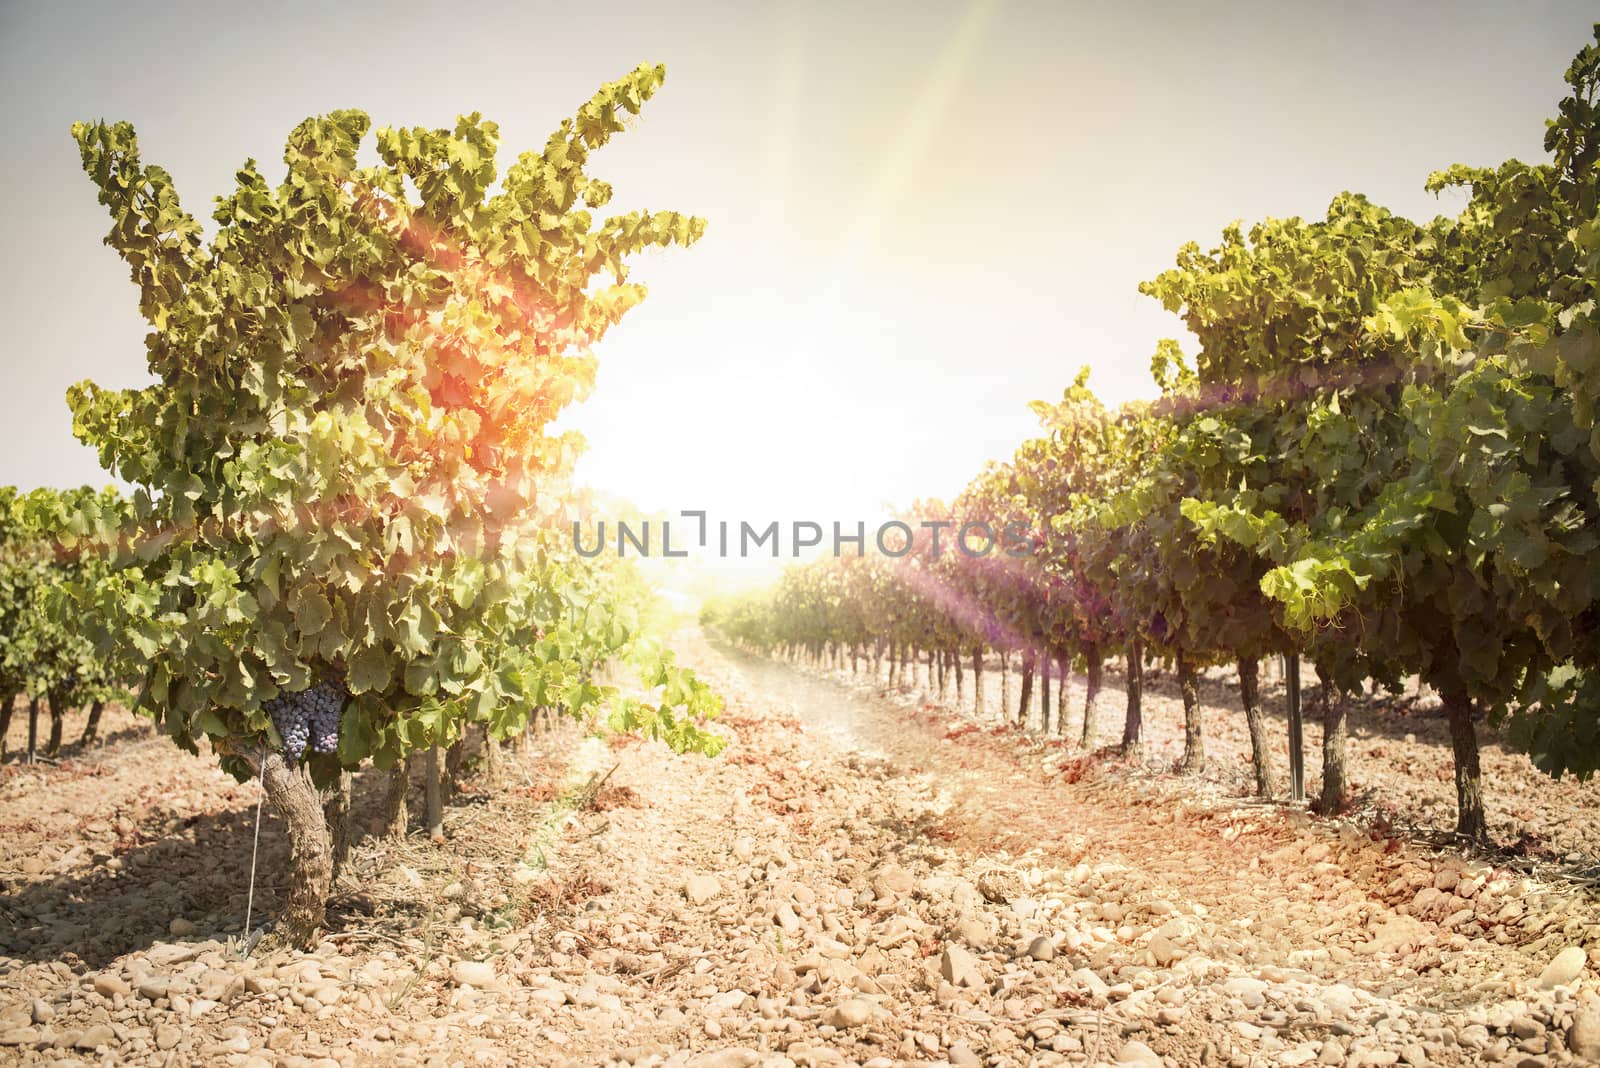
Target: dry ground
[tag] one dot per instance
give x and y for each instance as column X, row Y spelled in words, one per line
column 860, row 879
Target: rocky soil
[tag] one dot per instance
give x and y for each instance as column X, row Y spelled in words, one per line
column 860, row 879
column 1399, row 761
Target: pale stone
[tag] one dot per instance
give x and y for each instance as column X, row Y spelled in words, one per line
column 1163, row 949
column 701, row 888
column 1564, row 968
column 1583, row 1038
column 107, row 985
column 1134, row 1052
column 473, row 973
column 960, row 1055
column 972, row 931
column 850, row 1013
column 959, row 967
column 96, row 1036
column 892, row 881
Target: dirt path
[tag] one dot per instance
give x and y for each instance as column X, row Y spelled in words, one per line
column 846, row 885
column 1283, row 893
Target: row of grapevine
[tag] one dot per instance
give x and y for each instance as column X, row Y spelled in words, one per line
column 48, row 638
column 345, row 492
column 1384, row 457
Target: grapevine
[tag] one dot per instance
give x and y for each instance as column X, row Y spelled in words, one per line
column 1385, row 456
column 346, row 490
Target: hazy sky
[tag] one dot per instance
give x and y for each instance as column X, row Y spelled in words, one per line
column 921, row 215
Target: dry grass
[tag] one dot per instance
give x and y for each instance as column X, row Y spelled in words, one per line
column 560, row 896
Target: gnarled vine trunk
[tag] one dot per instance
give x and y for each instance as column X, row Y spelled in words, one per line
column 1005, row 683
column 977, row 680
column 7, row 701
column 1093, row 677
column 1250, row 697
column 454, row 758
column 1133, row 724
column 33, row 728
column 91, row 730
column 396, row 813
column 1044, row 691
column 1335, row 741
column 336, row 811
column 1026, row 699
column 298, row 801
column 491, row 759
column 1064, row 672
column 58, row 715
column 1194, row 750
column 1472, row 822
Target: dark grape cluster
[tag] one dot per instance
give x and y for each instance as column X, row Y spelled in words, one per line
column 308, row 717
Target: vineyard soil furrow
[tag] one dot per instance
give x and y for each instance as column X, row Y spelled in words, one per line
column 847, row 886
